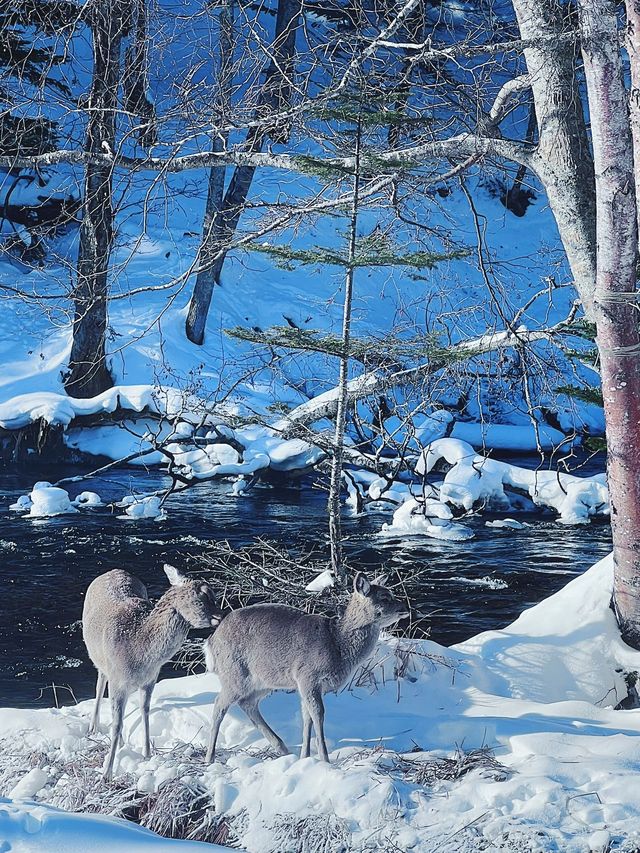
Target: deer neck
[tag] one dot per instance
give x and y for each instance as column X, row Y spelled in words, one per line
column 165, row 629
column 356, row 633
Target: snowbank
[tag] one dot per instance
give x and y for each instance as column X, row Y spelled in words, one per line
column 517, row 438
column 27, row 828
column 59, row 409
column 541, row 693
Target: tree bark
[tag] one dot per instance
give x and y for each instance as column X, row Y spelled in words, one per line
column 276, row 91
column 89, row 374
column 135, row 81
column 633, row 50
column 208, row 271
column 616, row 298
column 563, row 159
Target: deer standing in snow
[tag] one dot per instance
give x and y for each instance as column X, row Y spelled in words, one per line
column 267, row 647
column 129, row 639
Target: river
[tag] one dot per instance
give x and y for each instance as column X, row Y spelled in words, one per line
column 463, row 587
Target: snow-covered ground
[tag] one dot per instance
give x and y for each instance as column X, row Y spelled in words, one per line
column 541, row 694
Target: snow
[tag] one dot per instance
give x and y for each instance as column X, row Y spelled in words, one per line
column 29, row 785
column 29, row 828
column 473, row 479
column 47, row 500
column 323, row 581
column 59, row 409
column 428, row 518
column 87, row 499
column 514, row 437
column 141, row 507
column 541, row 693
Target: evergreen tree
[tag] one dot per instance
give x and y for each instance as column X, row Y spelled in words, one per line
column 355, row 113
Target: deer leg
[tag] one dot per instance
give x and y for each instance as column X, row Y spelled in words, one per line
column 313, row 699
column 307, row 724
column 220, row 708
column 145, row 704
column 250, row 706
column 101, row 684
column 118, row 702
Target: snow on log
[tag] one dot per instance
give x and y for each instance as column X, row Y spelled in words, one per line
column 474, row 479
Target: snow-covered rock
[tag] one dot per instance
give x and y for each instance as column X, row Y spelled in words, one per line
column 23, row 504
column 87, row 499
column 142, row 507
column 511, row 523
column 47, row 500
column 428, row 518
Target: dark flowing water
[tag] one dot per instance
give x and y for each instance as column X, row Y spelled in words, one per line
column 48, row 563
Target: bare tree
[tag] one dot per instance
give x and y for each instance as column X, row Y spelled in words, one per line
column 220, row 228
column 88, row 371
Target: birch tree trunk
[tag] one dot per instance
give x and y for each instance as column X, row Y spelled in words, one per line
column 89, row 374
column 616, row 298
column 276, row 92
column 633, row 50
column 563, row 158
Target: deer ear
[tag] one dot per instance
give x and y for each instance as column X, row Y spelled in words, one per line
column 176, row 578
column 361, row 584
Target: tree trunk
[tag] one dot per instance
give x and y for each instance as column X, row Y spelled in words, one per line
column 616, row 303
column 633, row 50
column 563, row 159
column 208, row 270
column 275, row 94
column 135, row 81
column 335, row 525
column 89, row 374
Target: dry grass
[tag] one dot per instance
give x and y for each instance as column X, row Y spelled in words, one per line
column 183, row 808
column 317, row 833
column 180, row 808
column 429, row 771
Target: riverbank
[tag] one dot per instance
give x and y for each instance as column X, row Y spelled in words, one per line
column 556, row 768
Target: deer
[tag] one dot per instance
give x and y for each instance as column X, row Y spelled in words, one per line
column 129, row 639
column 266, row 647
